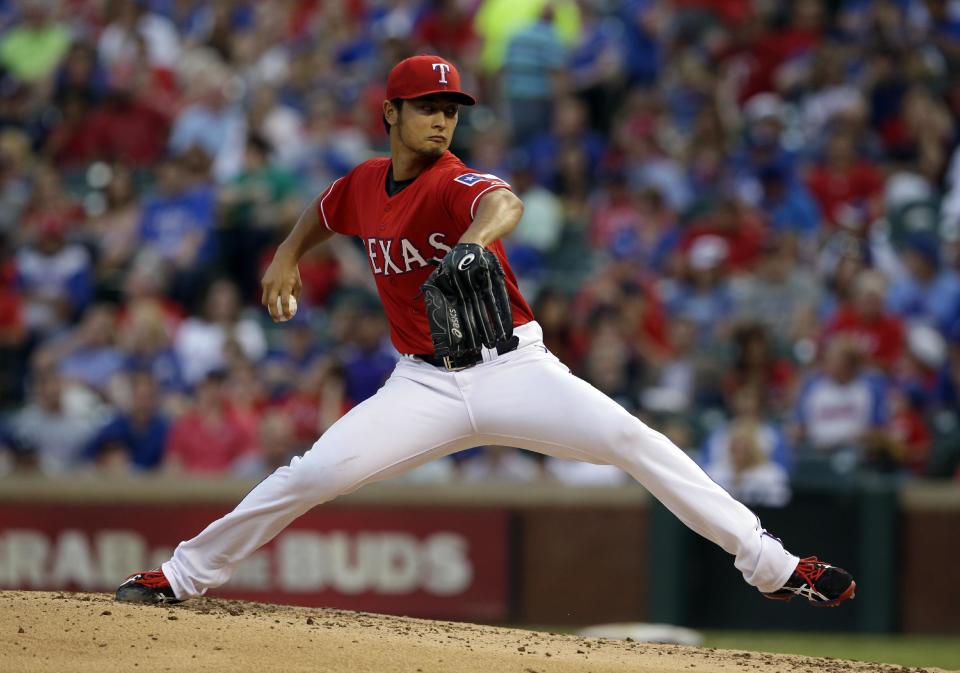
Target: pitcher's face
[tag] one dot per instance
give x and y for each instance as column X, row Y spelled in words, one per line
column 425, row 125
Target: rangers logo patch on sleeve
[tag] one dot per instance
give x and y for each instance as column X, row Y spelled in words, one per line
column 470, row 179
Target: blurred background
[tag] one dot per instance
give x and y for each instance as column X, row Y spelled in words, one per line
column 742, row 223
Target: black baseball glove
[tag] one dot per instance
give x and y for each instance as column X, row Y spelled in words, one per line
column 467, row 303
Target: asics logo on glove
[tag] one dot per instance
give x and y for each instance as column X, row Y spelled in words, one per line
column 466, row 261
column 454, row 322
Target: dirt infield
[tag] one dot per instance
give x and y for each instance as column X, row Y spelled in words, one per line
column 65, row 633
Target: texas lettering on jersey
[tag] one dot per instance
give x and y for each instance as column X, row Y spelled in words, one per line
column 388, row 255
column 405, row 234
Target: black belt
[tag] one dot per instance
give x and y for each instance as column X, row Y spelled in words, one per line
column 453, row 364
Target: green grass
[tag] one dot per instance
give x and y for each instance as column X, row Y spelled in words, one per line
column 941, row 651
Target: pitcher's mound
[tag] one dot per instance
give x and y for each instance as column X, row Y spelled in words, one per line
column 57, row 632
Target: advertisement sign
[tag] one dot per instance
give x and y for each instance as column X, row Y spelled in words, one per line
column 416, row 561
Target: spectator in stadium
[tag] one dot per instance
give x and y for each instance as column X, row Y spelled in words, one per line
column 781, row 294
column 446, row 27
column 246, row 394
column 755, row 365
column 626, row 225
column 746, row 470
column 553, row 313
column 539, row 230
column 532, row 76
column 644, row 25
column 317, row 400
column 201, row 343
column 925, row 131
column 611, row 363
column 146, row 339
column 13, row 331
column 88, row 353
column 332, row 143
column 927, row 290
column 15, row 158
column 208, row 438
column 703, row 294
column 674, row 378
column 147, row 281
column 133, row 440
column 278, row 128
column 81, row 72
column 32, row 49
column 748, row 405
column 839, row 262
column 879, row 334
column 49, row 202
column 621, row 288
column 131, row 27
column 276, row 443
column 644, row 321
column 847, row 187
column 910, row 438
column 948, row 378
column 841, row 407
column 211, row 121
column 69, row 143
column 254, row 206
column 177, row 221
column 639, row 145
column 56, row 278
column 113, row 232
column 14, row 457
column 292, row 354
column 48, row 428
column 787, row 205
column 128, row 127
column 368, row 358
column 763, row 152
column 732, row 224
column 570, row 138
column 596, row 65
column 829, row 98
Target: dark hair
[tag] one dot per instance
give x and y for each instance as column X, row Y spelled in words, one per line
column 260, row 144
column 397, row 103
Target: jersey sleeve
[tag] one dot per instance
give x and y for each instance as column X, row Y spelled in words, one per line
column 463, row 191
column 335, row 207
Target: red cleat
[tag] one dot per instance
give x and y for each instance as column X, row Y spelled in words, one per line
column 147, row 587
column 824, row 585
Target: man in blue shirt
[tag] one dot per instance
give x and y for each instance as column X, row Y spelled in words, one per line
column 134, row 438
column 928, row 291
column 534, row 60
column 178, row 221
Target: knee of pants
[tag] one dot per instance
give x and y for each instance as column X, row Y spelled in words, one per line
column 625, row 438
column 313, row 480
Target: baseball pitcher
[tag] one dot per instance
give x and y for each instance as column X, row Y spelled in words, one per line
column 474, row 370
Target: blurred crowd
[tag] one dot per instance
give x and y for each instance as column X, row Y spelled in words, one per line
column 742, row 223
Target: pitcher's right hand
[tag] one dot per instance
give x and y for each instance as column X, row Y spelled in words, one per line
column 281, row 281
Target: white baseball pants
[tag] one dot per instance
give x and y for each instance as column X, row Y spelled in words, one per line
column 526, row 398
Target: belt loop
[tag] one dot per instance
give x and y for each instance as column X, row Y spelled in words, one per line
column 450, row 367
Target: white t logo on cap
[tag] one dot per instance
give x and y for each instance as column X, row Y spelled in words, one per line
column 443, row 68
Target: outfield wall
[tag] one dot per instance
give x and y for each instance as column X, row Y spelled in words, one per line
column 535, row 554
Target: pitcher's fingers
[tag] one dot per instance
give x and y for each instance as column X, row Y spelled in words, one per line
column 285, row 295
column 270, row 302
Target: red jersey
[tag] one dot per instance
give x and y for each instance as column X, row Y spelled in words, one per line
column 882, row 339
column 403, row 232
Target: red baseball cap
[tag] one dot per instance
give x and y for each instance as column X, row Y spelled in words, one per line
column 425, row 75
